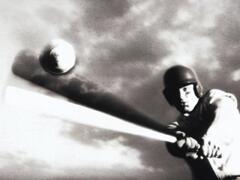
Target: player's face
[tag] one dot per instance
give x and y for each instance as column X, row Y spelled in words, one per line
column 187, row 99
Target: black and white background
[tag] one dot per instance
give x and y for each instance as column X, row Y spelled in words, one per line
column 124, row 46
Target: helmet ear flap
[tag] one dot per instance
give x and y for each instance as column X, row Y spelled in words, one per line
column 198, row 90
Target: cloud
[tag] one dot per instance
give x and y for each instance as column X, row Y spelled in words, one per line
column 188, row 38
column 45, row 28
column 13, row 166
column 236, row 75
column 148, row 150
column 101, row 16
column 34, row 144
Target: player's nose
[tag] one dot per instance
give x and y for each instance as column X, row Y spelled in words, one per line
column 182, row 97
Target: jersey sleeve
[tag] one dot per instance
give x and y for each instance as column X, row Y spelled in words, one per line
column 224, row 130
column 219, row 99
column 222, row 109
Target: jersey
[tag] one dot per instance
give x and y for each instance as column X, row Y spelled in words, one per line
column 216, row 118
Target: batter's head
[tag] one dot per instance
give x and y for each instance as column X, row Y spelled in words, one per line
column 179, row 76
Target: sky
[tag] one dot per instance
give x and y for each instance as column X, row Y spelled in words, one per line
column 124, row 47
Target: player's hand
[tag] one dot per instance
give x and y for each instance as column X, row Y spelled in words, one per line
column 193, row 155
column 188, row 143
column 180, row 139
column 192, row 144
column 189, row 146
column 211, row 150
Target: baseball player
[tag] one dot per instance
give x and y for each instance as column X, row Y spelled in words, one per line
column 208, row 129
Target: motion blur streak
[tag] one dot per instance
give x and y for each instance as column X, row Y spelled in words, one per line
column 42, row 104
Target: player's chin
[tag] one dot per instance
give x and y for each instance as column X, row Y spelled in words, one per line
column 183, row 109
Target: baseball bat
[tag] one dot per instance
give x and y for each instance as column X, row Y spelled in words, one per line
column 82, row 92
column 33, row 102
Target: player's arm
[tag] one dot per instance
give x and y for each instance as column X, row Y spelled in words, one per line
column 222, row 112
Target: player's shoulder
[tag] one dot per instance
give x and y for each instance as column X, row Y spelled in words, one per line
column 218, row 98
